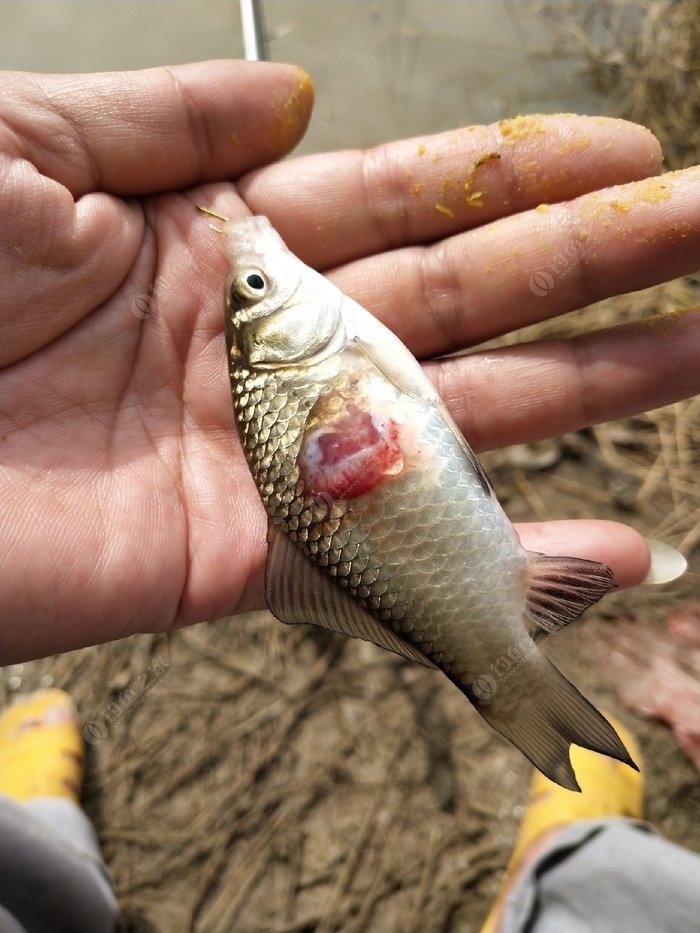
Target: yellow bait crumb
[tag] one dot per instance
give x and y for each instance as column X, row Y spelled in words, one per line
column 650, row 191
column 234, row 139
column 293, row 110
column 665, row 321
column 482, row 160
column 543, row 208
column 416, row 189
column 521, row 127
column 443, row 209
column 476, row 199
column 655, row 191
column 573, row 144
column 682, row 231
column 421, row 150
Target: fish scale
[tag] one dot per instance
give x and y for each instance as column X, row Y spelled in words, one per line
column 448, row 532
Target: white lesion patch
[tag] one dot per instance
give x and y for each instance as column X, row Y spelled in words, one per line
column 359, row 435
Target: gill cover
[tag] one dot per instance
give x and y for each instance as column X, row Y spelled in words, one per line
column 277, row 310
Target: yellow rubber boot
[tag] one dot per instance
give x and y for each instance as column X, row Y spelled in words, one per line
column 608, row 788
column 41, row 748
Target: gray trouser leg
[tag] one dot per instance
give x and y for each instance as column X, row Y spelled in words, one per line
column 611, row 875
column 51, row 873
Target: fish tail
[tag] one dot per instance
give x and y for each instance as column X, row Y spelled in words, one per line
column 542, row 714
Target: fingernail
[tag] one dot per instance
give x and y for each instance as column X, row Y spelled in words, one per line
column 666, row 563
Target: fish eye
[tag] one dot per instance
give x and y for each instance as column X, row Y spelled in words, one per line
column 248, row 287
column 255, row 281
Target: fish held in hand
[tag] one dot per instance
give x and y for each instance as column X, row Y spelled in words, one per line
column 383, row 525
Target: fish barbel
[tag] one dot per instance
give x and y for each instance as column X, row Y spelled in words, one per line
column 382, row 523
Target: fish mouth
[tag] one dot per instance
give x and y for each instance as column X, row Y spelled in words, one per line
column 249, row 239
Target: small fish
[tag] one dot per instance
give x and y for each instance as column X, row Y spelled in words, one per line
column 382, row 523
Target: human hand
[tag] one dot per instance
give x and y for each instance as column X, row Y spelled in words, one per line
column 127, row 504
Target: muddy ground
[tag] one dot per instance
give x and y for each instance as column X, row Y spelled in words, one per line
column 244, row 775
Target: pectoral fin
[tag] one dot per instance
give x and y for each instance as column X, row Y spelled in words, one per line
column 298, row 592
column 404, row 372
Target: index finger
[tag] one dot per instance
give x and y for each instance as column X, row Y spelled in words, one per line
column 336, row 207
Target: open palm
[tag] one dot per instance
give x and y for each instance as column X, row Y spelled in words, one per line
column 126, row 503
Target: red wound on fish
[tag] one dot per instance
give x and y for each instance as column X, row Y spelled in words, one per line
column 352, row 456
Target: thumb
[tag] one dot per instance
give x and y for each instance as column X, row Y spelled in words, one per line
column 161, row 129
column 69, row 144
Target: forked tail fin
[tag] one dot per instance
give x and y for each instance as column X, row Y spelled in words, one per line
column 532, row 704
column 537, row 708
column 542, row 714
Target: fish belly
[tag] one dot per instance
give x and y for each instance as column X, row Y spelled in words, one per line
column 392, row 509
column 433, row 556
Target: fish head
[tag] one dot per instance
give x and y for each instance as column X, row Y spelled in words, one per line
column 279, row 312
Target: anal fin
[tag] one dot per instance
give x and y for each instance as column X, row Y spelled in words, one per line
column 299, row 592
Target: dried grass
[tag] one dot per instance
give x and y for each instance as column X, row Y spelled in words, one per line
column 643, row 56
